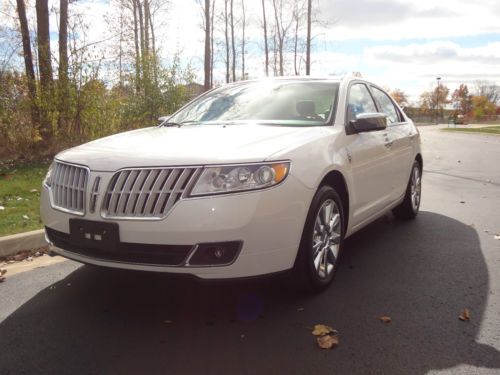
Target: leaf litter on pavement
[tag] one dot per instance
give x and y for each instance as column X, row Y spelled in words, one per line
column 326, row 336
column 465, row 316
column 385, row 319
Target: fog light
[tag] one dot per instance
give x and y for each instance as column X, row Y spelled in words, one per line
column 215, row 254
column 218, row 253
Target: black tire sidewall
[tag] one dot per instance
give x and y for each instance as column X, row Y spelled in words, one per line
column 304, row 262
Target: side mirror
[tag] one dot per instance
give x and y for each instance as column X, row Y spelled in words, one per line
column 367, row 122
column 163, row 118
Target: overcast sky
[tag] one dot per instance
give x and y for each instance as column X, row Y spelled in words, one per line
column 396, row 43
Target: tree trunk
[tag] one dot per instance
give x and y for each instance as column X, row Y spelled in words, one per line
column 266, row 48
column 153, row 46
column 142, row 44
column 243, row 26
column 226, row 18
column 280, row 36
column 45, row 69
column 212, row 44
column 296, row 41
column 28, row 60
column 207, row 45
column 137, row 51
column 308, row 42
column 63, row 65
column 232, row 43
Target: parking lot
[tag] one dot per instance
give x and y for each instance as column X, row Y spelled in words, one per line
column 67, row 318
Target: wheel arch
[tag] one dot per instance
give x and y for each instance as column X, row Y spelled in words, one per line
column 336, row 180
column 420, row 161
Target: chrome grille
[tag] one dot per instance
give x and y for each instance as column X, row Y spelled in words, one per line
column 145, row 193
column 68, row 186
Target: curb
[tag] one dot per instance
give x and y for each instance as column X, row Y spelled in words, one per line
column 10, row 245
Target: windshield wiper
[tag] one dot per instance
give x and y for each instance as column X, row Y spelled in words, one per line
column 178, row 124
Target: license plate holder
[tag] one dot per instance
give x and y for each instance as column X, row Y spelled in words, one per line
column 95, row 234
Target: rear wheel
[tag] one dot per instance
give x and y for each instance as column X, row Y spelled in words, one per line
column 321, row 242
column 408, row 209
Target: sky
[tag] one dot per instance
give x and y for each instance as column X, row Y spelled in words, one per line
column 395, row 43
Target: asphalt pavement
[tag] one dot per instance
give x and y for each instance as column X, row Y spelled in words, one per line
column 72, row 319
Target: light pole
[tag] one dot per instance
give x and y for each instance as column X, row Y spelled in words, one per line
column 438, row 79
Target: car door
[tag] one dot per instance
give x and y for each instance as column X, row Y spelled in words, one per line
column 370, row 159
column 399, row 136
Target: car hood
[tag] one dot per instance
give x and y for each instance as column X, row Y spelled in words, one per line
column 189, row 145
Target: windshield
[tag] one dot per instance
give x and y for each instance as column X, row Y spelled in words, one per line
column 286, row 103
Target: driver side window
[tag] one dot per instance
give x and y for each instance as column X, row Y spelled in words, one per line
column 360, row 101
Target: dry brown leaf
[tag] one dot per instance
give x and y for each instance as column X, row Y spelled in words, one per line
column 3, row 271
column 465, row 316
column 321, row 330
column 385, row 319
column 327, row 341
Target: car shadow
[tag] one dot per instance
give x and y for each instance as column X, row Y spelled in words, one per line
column 421, row 273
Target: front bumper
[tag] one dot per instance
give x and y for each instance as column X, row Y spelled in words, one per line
column 267, row 223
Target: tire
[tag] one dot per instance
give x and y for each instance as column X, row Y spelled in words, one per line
column 408, row 209
column 320, row 246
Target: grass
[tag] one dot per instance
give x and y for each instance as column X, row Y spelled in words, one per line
column 19, row 196
column 485, row 129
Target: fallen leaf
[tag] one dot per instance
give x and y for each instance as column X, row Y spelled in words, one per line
column 2, row 208
column 321, row 330
column 486, row 231
column 34, row 191
column 3, row 271
column 463, row 202
column 385, row 319
column 465, row 316
column 2, row 279
column 19, row 199
column 26, row 217
column 459, row 161
column 327, row 341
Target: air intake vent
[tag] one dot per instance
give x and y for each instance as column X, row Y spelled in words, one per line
column 145, row 193
column 68, row 187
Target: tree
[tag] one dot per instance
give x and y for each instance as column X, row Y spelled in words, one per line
column 266, row 48
column 232, row 40
column 212, row 13
column 226, row 33
column 45, row 68
column 63, row 63
column 482, row 106
column 462, row 100
column 207, row 45
column 488, row 90
column 243, row 27
column 400, row 97
column 28, row 59
column 308, row 38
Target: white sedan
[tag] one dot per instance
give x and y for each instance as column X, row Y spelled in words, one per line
column 252, row 178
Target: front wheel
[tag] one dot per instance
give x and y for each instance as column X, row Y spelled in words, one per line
column 321, row 241
column 408, row 209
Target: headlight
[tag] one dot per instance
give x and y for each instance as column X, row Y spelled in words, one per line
column 47, row 181
column 234, row 178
